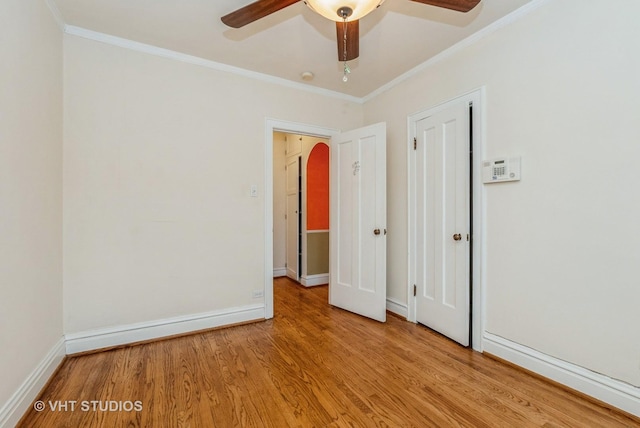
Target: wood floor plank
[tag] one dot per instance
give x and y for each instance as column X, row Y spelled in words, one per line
column 311, row 366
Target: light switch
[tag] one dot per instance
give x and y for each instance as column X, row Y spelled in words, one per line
column 254, row 191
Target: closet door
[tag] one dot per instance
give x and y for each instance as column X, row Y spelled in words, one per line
column 292, row 217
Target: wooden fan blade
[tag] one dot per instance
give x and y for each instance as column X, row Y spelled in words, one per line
column 459, row 5
column 254, row 11
column 353, row 40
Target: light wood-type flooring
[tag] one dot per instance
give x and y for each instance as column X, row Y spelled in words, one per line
column 311, row 366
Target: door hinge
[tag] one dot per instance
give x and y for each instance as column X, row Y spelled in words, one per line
column 415, row 290
column 415, row 143
column 468, row 237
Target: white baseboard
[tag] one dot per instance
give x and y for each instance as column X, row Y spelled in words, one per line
column 292, row 274
column 313, row 280
column 614, row 392
column 278, row 272
column 21, row 400
column 122, row 335
column 397, row 308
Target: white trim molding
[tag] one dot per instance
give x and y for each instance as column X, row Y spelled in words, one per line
column 611, row 391
column 313, row 280
column 397, row 307
column 178, row 56
column 278, row 272
column 190, row 59
column 20, row 401
column 292, row 274
column 57, row 16
column 132, row 333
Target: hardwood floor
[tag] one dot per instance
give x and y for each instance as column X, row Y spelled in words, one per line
column 311, row 366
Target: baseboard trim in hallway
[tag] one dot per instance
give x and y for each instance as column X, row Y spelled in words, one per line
column 398, row 308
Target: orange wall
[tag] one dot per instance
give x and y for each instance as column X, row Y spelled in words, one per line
column 318, row 188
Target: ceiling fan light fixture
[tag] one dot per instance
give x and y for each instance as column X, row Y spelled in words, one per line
column 333, row 9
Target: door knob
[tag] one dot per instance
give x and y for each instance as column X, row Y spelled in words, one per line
column 457, row 237
column 376, row 231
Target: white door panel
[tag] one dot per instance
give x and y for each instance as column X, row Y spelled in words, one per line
column 441, row 254
column 358, row 209
column 292, row 223
column 292, row 175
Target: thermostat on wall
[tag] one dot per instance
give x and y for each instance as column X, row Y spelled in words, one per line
column 501, row 169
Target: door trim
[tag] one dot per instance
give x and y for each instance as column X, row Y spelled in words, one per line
column 272, row 125
column 478, row 265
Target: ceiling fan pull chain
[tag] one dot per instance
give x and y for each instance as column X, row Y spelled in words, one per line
column 347, row 70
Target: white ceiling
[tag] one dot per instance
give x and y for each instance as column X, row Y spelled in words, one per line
column 395, row 38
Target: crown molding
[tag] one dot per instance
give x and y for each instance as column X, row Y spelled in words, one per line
column 464, row 43
column 190, row 59
column 53, row 7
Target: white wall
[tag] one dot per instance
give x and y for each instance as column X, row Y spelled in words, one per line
column 30, row 190
column 159, row 159
column 563, row 244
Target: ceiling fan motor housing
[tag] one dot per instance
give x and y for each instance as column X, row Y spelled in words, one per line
column 339, row 10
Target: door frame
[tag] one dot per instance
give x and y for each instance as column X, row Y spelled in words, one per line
column 272, row 125
column 477, row 192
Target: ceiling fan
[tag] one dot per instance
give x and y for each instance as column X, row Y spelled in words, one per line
column 346, row 14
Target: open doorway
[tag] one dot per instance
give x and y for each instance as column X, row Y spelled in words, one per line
column 358, row 232
column 273, row 130
column 301, row 208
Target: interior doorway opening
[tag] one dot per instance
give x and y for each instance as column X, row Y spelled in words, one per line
column 308, row 273
column 301, row 208
column 357, row 255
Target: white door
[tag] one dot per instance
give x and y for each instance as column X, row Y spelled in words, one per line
column 440, row 226
column 358, row 222
column 292, row 223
